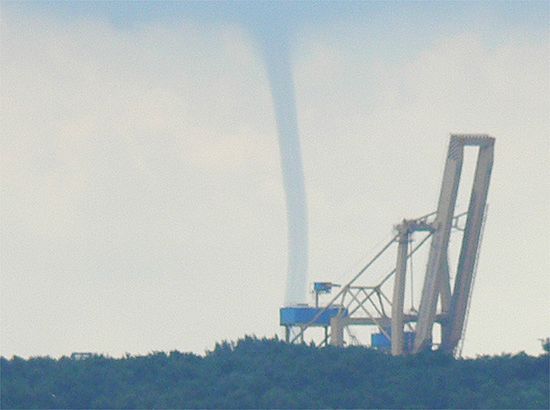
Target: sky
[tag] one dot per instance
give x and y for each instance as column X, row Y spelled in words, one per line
column 142, row 205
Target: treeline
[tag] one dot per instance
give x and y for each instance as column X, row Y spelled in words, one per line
column 255, row 373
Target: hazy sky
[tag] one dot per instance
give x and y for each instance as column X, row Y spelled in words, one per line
column 142, row 205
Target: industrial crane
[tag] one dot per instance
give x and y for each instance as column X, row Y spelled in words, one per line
column 442, row 301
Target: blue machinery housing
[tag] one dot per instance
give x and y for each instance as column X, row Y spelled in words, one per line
column 322, row 287
column 308, row 316
column 304, row 315
column 382, row 342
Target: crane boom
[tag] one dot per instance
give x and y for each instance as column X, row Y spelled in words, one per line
column 437, row 278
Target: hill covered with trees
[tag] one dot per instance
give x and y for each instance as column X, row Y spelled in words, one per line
column 255, row 373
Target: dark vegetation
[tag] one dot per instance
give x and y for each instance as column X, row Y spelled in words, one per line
column 270, row 374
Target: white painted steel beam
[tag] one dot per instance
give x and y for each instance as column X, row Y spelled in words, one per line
column 445, row 296
column 337, row 324
column 398, row 300
column 440, row 243
column 437, row 274
column 470, row 245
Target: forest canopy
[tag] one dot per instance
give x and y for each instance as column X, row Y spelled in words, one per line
column 267, row 373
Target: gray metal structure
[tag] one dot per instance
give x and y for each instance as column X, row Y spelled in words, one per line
column 370, row 305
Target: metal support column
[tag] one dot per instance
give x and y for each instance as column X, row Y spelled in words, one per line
column 434, row 281
column 398, row 301
column 337, row 331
